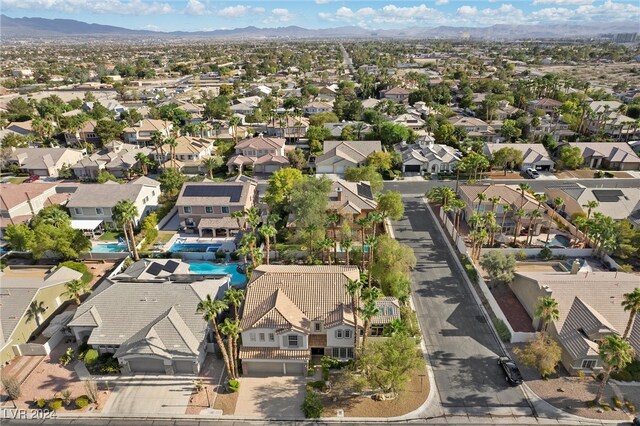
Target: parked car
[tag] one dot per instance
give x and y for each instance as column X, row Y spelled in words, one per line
column 32, row 179
column 532, row 173
column 511, row 371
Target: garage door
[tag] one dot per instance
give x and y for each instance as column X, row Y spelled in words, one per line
column 273, row 368
column 271, row 168
column 295, row 369
column 183, row 367
column 146, row 365
column 412, row 168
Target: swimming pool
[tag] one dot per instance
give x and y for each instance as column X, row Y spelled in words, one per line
column 559, row 240
column 568, row 263
column 194, row 247
column 205, row 268
column 109, row 248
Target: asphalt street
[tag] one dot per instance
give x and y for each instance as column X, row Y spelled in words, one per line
column 463, row 349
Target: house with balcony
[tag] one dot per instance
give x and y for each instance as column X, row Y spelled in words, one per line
column 141, row 132
column 263, row 154
column 189, row 154
column 293, row 315
column 206, row 207
column 475, row 128
column 289, row 128
column 84, row 134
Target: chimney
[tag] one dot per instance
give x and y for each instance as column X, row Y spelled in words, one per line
column 575, row 267
column 339, row 192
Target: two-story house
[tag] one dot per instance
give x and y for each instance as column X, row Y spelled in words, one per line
column 263, row 154
column 317, row 107
column 189, row 153
column 290, row 128
column 293, row 314
column 117, row 158
column 428, row 157
column 475, row 127
column 95, row 202
column 19, row 203
column 42, row 161
column 397, row 94
column 141, row 132
column 86, row 133
column 207, row 206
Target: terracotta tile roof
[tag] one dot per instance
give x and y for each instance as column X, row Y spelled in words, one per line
column 249, row 352
column 12, row 195
column 261, row 142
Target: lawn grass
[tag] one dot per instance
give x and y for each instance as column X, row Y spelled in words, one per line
column 163, row 237
column 18, row 179
column 110, row 236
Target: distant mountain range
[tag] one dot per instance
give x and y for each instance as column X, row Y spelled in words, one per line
column 25, row 28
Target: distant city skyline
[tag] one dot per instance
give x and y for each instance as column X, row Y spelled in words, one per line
column 206, row 15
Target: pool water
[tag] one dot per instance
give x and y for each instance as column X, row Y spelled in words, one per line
column 198, row 248
column 237, row 278
column 109, row 248
column 559, row 241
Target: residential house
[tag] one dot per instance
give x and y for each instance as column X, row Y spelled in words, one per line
column 504, row 110
column 289, row 128
column 428, row 157
column 607, row 119
column 475, row 128
column 397, row 94
column 317, row 107
column 246, row 106
column 360, row 129
column 337, row 156
column 509, row 195
column 20, row 287
column 618, row 203
column 370, row 103
column 608, row 155
column 19, row 203
column 117, row 158
column 23, row 128
column 148, row 319
column 113, row 106
column 411, row 121
column 207, row 206
column 351, row 200
column 534, row 155
column 261, row 90
column 189, row 154
column 263, row 154
column 141, row 132
column 95, row 202
column 42, row 161
column 549, row 106
column 586, row 314
column 84, row 134
column 555, row 126
column 293, row 313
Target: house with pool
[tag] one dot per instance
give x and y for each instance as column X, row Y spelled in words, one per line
column 205, row 208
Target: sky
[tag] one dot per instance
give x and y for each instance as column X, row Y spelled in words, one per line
column 206, row 15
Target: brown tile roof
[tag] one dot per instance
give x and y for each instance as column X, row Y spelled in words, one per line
column 508, row 194
column 12, row 195
column 261, row 142
column 219, row 222
column 389, row 310
column 249, row 352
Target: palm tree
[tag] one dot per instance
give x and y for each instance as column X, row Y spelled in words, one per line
column 268, row 231
column 332, row 220
column 482, row 197
column 375, row 218
column 325, row 245
column 459, row 206
column 157, row 140
column 232, row 330
column 524, row 187
column 368, row 311
column 533, row 215
column 631, row 303
column 234, row 297
column 244, row 251
column 494, row 202
column 75, row 289
column 353, row 288
column 55, row 217
column 210, row 310
column 347, row 245
column 547, row 310
column 124, row 213
column 173, row 144
column 372, row 242
column 506, row 208
column 614, row 352
column 310, row 230
column 519, row 214
column 363, row 223
column 234, row 122
column 590, row 206
column 144, row 161
column 33, row 312
column 212, row 163
column 557, row 203
column 580, row 223
column 238, row 215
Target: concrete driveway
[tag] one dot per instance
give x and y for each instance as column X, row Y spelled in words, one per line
column 271, row 397
column 150, row 395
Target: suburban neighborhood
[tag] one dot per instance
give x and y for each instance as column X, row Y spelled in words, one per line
column 327, row 229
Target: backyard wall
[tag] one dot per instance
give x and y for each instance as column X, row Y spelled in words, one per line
column 36, row 349
column 533, row 252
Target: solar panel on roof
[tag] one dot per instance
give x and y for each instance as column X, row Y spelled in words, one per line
column 154, row 269
column 607, row 195
column 364, row 191
column 171, row 266
column 233, row 192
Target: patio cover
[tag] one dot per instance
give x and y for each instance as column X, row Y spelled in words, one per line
column 85, row 225
column 58, row 323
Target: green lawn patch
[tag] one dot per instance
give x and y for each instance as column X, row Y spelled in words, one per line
column 17, row 179
column 110, row 236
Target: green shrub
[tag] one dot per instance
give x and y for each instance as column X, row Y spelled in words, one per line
column 521, row 255
column 233, row 385
column 91, row 356
column 110, row 366
column 82, row 401
column 325, row 373
column 503, row 331
column 329, row 362
column 55, row 404
column 630, row 406
column 605, row 406
column 312, row 406
column 631, row 373
column 616, row 402
column 545, row 253
column 66, row 357
column 471, row 271
column 320, row 385
column 41, row 403
column 87, row 276
column 311, row 371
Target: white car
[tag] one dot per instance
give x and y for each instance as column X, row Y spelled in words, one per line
column 532, row 173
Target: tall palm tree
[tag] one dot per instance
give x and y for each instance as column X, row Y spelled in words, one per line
column 173, row 144
column 519, row 214
column 524, row 188
column 325, row 245
column 368, row 311
column 75, row 289
column 238, row 215
column 547, row 310
column 506, row 208
column 590, row 205
column 375, row 218
column 234, row 122
column 231, row 329
column 372, row 242
column 534, row 216
column 55, row 217
column 363, row 223
column 124, row 213
column 144, row 161
column 332, row 220
column 482, row 197
column 347, row 245
column 614, row 352
column 353, row 288
column 33, row 312
column 157, row 140
column 268, row 231
column 234, row 297
column 494, row 202
column 211, row 163
column 557, row 203
column 631, row 303
column 210, row 310
column 459, row 206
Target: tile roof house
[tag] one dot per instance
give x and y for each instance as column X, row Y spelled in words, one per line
column 351, row 199
column 337, row 156
column 290, row 128
column 292, row 313
column 189, row 154
column 19, row 203
column 86, row 133
column 428, row 157
column 534, row 155
column 150, row 323
column 475, row 127
column 141, row 132
column 618, row 203
column 207, row 206
column 549, row 106
column 116, row 157
column 264, row 154
column 42, row 161
column 585, row 315
column 608, row 155
column 607, row 119
column 92, row 201
column 317, row 107
column 360, row 128
column 19, row 288
column 397, row 94
column 409, row 120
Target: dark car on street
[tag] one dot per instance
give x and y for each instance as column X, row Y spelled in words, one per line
column 511, row 371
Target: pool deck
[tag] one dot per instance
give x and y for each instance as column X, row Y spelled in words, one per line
column 226, row 244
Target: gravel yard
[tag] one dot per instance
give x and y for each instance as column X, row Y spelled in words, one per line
column 218, row 396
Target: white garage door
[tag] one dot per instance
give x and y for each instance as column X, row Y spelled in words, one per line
column 262, row 369
column 271, row 168
column 146, row 365
column 325, row 169
column 183, row 367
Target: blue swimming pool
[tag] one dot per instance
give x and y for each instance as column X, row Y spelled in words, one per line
column 237, row 278
column 194, row 247
column 559, row 241
column 109, row 248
